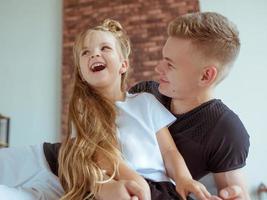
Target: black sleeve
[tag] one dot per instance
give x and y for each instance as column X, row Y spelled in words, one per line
column 144, row 86
column 228, row 145
column 152, row 88
column 51, row 154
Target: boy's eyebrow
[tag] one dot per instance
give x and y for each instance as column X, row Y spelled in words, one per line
column 165, row 57
column 168, row 59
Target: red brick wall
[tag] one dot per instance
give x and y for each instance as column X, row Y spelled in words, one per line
column 144, row 20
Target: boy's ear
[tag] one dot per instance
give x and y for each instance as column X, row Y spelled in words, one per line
column 124, row 66
column 208, row 75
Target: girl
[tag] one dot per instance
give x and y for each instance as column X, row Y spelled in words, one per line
column 116, row 133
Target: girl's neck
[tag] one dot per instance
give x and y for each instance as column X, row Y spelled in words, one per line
column 114, row 95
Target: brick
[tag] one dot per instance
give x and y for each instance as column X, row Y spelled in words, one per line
column 145, row 22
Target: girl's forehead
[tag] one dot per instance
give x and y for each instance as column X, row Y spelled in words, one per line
column 97, row 36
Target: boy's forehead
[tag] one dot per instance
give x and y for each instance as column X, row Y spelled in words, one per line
column 175, row 45
column 168, row 48
column 169, row 45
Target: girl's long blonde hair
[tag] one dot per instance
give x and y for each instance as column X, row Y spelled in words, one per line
column 93, row 117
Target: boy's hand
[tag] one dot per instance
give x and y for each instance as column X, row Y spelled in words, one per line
column 186, row 186
column 231, row 193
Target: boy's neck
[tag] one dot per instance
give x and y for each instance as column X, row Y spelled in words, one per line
column 181, row 106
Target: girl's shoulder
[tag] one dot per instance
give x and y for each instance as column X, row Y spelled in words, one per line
column 141, row 95
column 140, row 99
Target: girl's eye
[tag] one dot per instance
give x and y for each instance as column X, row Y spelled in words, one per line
column 85, row 52
column 105, row 48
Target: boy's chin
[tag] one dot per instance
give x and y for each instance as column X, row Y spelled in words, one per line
column 166, row 91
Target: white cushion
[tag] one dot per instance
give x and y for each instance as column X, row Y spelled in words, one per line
column 209, row 182
column 25, row 175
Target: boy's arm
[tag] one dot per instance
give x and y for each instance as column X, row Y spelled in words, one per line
column 229, row 148
column 177, row 169
column 231, row 185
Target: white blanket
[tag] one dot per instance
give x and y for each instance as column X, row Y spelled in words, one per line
column 25, row 175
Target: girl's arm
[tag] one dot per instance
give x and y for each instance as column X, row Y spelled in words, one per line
column 125, row 173
column 130, row 176
column 177, row 169
column 120, row 190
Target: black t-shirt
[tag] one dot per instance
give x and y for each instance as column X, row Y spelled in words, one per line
column 51, row 154
column 211, row 137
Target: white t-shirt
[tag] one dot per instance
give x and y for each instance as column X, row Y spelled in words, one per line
column 141, row 116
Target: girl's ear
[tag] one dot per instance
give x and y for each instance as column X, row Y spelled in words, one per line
column 208, row 75
column 124, row 67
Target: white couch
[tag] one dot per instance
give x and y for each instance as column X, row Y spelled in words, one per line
column 25, row 175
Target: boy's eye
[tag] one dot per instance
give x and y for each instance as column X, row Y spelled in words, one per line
column 85, row 52
column 170, row 66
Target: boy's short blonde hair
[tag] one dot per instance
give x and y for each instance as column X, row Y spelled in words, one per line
column 213, row 36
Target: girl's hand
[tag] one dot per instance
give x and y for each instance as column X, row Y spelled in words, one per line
column 187, row 185
column 121, row 190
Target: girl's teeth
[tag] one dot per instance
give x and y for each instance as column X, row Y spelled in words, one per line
column 98, row 68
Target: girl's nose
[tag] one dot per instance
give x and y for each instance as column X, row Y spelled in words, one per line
column 95, row 55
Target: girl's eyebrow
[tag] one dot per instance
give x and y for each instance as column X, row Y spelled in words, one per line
column 106, row 43
column 102, row 43
column 83, row 48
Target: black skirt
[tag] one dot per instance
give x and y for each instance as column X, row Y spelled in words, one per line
column 163, row 191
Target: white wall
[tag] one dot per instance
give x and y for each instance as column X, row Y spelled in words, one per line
column 30, row 65
column 245, row 90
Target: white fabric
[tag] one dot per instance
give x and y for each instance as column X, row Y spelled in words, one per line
column 209, row 182
column 10, row 193
column 140, row 117
column 25, row 175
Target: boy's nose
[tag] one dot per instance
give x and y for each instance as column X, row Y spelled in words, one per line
column 159, row 67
